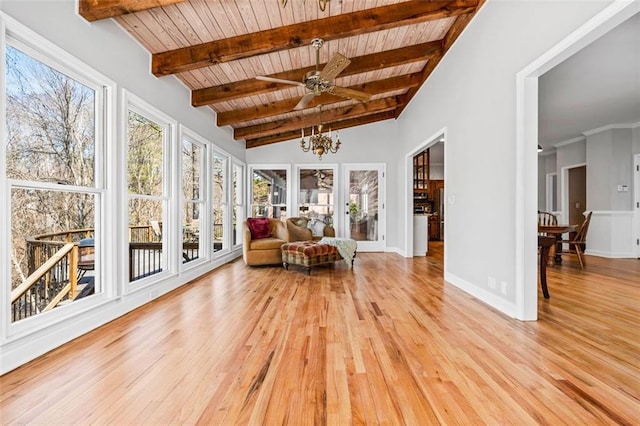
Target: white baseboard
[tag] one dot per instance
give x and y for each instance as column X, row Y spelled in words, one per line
column 485, row 296
column 610, row 255
column 396, row 250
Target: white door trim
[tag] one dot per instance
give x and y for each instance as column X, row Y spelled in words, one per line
column 408, row 202
column 636, row 202
column 526, row 158
column 381, row 243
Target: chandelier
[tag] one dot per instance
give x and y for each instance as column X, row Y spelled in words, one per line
column 322, row 4
column 320, row 143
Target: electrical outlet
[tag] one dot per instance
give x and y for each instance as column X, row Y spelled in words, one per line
column 503, row 287
column 491, row 282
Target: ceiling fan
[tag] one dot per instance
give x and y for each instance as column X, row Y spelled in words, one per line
column 324, row 181
column 322, row 81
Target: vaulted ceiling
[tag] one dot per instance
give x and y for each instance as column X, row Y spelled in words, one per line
column 217, row 48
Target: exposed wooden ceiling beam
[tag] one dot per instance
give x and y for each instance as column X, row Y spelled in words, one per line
column 94, row 10
column 300, row 34
column 283, row 107
column 338, row 114
column 359, row 64
column 338, row 125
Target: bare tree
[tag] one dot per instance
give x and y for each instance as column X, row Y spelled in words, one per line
column 51, row 138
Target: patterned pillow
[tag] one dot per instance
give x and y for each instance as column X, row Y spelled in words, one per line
column 259, row 227
column 317, row 227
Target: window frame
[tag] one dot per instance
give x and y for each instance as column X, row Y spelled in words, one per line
column 187, row 134
column 42, row 50
column 224, row 202
column 170, row 185
column 241, row 207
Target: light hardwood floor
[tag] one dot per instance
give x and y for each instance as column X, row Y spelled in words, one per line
column 386, row 343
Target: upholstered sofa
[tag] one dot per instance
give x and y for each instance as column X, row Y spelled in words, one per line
column 264, row 250
column 303, row 229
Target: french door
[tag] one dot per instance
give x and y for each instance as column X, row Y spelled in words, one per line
column 364, row 205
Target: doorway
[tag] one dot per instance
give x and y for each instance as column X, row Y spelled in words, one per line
column 526, row 303
column 577, row 194
column 364, row 201
column 438, row 138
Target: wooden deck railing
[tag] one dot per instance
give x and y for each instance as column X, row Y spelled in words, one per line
column 53, row 260
column 55, row 280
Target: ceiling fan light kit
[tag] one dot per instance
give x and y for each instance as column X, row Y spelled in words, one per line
column 320, row 143
column 320, row 81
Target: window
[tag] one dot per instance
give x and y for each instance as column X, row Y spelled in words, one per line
column 53, row 170
column 148, row 135
column 238, row 203
column 193, row 155
column 219, row 200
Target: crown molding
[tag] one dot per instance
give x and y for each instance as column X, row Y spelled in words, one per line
column 546, row 153
column 611, row 127
column 570, row 141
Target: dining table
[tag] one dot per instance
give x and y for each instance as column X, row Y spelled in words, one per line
column 545, row 242
column 556, row 231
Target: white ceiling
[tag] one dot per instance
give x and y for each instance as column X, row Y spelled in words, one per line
column 596, row 87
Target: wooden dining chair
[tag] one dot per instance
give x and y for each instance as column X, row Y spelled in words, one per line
column 579, row 240
column 547, row 219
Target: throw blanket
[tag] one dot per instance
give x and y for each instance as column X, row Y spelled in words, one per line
column 346, row 247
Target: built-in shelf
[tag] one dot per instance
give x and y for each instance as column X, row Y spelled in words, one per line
column 421, row 197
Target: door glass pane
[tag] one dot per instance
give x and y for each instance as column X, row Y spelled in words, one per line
column 315, row 196
column 269, row 193
column 363, row 205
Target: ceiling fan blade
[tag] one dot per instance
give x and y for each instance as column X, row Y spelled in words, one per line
column 279, row 80
column 334, row 67
column 304, row 101
column 349, row 93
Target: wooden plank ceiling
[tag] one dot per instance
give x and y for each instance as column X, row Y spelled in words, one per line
column 218, row 47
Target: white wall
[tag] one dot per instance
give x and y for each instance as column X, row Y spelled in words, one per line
column 374, row 143
column 547, row 163
column 107, row 48
column 473, row 94
column 609, row 164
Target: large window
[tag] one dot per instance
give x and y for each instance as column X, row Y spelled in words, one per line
column 53, row 163
column 193, row 155
column 238, row 202
column 148, row 186
column 219, row 200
